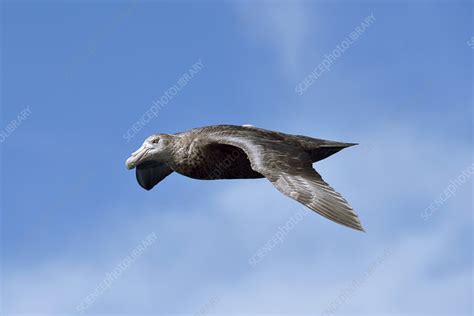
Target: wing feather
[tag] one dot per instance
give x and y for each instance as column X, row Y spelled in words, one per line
column 290, row 170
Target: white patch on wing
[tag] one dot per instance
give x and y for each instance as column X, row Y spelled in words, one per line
column 294, row 195
column 283, row 184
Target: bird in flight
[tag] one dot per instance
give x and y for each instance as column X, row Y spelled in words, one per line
column 246, row 152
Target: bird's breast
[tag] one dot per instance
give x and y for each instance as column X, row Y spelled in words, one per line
column 196, row 166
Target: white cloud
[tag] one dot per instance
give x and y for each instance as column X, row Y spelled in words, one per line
column 282, row 26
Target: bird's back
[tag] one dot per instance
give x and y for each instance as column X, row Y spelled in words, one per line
column 318, row 149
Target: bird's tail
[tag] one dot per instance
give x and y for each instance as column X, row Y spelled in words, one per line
column 320, row 149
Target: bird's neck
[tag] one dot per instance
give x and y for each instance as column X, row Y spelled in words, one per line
column 178, row 149
column 183, row 151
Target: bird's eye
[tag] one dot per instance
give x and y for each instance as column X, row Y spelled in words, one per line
column 156, row 141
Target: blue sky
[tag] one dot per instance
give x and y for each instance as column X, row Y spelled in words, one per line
column 88, row 70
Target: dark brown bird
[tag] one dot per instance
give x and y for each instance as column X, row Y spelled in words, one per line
column 246, row 152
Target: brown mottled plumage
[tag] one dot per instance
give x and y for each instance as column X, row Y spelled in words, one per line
column 246, row 152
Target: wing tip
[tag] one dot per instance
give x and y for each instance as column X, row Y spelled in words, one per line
column 360, row 228
column 353, row 222
column 354, row 225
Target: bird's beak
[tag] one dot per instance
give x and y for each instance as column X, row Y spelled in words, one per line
column 137, row 157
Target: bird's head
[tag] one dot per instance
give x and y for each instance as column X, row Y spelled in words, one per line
column 154, row 147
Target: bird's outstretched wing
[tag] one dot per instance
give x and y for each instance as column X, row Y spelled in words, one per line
column 290, row 170
column 151, row 172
